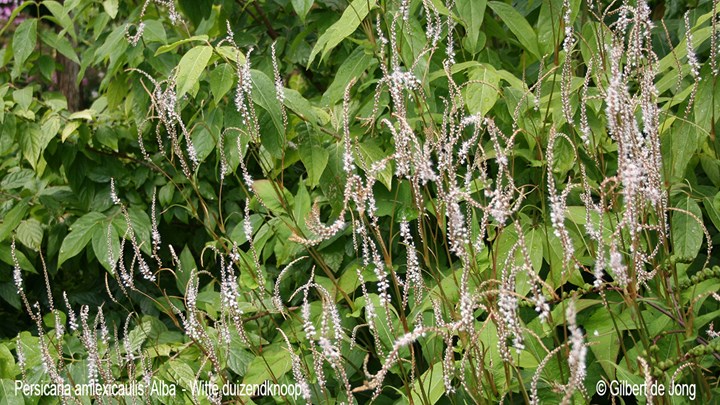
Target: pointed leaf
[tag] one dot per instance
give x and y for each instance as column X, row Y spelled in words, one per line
column 314, row 157
column 80, row 234
column 24, row 41
column 687, row 232
column 302, row 7
column 518, row 26
column 221, row 81
column 482, row 92
column 350, row 20
column 30, row 233
column 191, row 67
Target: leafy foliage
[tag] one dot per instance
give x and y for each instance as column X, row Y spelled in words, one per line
column 391, row 201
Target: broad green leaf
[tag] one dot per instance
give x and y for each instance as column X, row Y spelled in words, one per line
column 301, row 208
column 30, row 142
column 18, row 179
column 712, row 207
column 204, row 141
column 6, row 257
column 263, row 94
column 60, row 44
column 518, row 26
column 185, row 269
column 171, row 47
column 80, row 234
column 482, row 92
column 154, row 32
column 706, row 106
column 62, row 18
column 23, row 97
column 350, row 20
column 182, row 373
column 687, row 232
column 86, row 115
column 138, row 335
column 265, row 191
column 471, row 13
column 8, row 369
column 191, row 67
column 314, row 157
column 102, row 243
column 107, row 136
column 430, row 385
column 7, row 393
column 114, row 45
column 238, row 358
column 231, row 53
column 301, row 106
column 12, row 219
column 30, row 233
column 49, row 129
column 69, row 129
column 352, row 67
column 271, row 365
column 372, row 153
column 678, row 145
column 24, row 41
column 111, row 7
column 302, row 7
column 221, row 81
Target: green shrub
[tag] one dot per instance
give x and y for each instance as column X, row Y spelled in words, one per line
column 469, row 201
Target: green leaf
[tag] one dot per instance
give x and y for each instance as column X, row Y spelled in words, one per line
column 352, row 67
column 12, row 219
column 518, row 26
column 60, row 44
column 49, row 129
column 30, row 138
column 191, row 67
column 70, row 127
column 271, row 365
column 301, row 106
column 187, row 266
column 265, row 191
column 314, row 157
column 30, row 233
column 238, row 358
column 7, row 363
column 154, row 32
column 687, row 232
column 350, row 20
column 24, row 41
column 222, row 79
column 430, row 385
column 302, row 7
column 7, row 393
column 263, row 94
column 371, row 153
column 100, row 240
column 86, row 115
column 23, row 97
column 712, row 207
column 18, row 179
column 62, row 18
column 678, row 145
column 111, row 7
column 80, row 234
column 482, row 92
column 471, row 13
column 182, row 373
column 171, row 47
column 6, row 257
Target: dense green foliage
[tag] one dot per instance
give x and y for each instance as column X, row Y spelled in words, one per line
column 521, row 200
